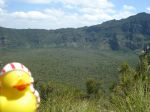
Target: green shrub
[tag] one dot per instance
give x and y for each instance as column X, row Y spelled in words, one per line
column 94, row 88
column 132, row 93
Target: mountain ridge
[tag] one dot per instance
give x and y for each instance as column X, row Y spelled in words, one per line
column 131, row 33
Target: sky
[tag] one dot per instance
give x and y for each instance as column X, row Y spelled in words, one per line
column 55, row 14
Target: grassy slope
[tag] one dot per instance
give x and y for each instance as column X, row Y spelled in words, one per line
column 70, row 66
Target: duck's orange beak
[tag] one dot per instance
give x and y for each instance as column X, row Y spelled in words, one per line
column 21, row 85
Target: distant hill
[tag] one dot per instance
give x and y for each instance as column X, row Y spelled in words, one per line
column 132, row 33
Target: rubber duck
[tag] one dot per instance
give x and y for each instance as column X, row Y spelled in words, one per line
column 17, row 93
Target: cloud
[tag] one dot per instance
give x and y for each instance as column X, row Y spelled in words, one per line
column 88, row 3
column 91, row 10
column 148, row 8
column 128, row 7
column 29, row 15
column 126, row 11
column 72, row 13
column 38, row 1
column 2, row 3
column 2, row 10
column 82, row 3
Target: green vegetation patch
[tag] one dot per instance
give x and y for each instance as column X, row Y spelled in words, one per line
column 70, row 66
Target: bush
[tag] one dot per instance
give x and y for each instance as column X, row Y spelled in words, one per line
column 93, row 87
column 132, row 93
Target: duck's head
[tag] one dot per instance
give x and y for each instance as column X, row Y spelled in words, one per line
column 15, row 77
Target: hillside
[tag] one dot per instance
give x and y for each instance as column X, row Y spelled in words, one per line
column 70, row 66
column 131, row 33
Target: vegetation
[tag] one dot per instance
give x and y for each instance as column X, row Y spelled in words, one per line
column 127, row 34
column 130, row 94
column 70, row 66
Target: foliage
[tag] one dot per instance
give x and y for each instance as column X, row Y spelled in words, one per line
column 68, row 99
column 132, row 93
column 131, row 33
column 137, row 99
column 93, row 87
column 69, row 66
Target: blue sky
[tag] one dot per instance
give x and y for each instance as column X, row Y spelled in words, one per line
column 54, row 14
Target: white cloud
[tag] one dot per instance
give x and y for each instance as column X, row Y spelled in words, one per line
column 2, row 10
column 148, row 8
column 30, row 15
column 38, row 1
column 2, row 3
column 128, row 7
column 82, row 3
column 93, row 11
column 126, row 11
column 85, row 13
column 88, row 3
column 88, row 12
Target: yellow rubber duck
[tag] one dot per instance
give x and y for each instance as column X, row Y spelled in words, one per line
column 17, row 93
